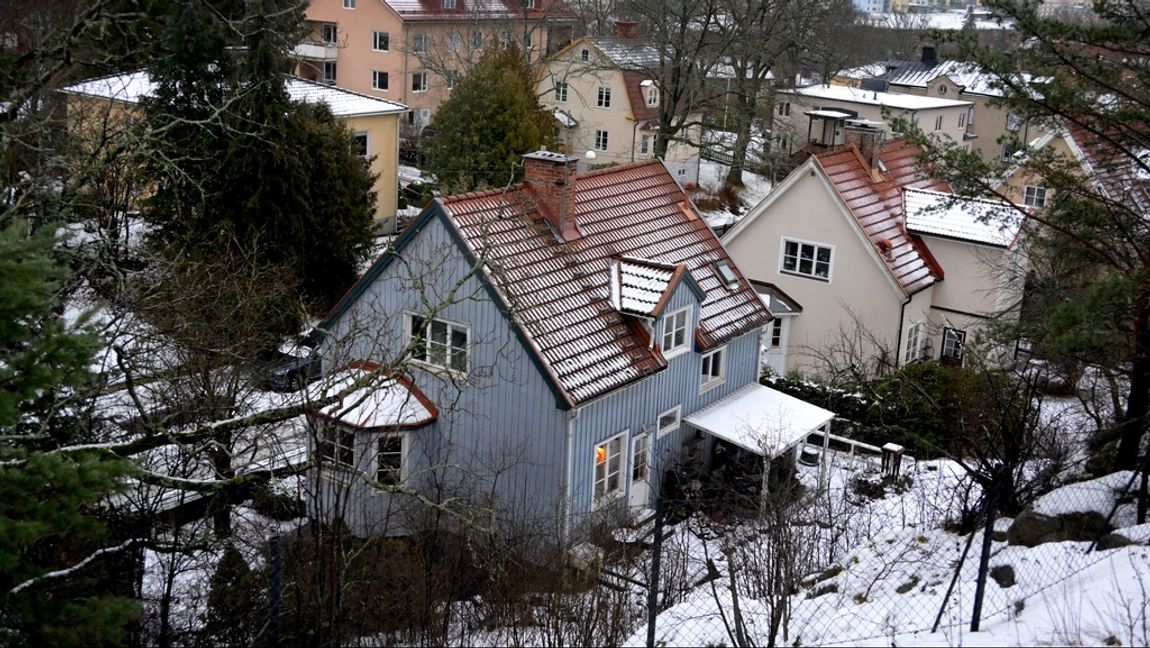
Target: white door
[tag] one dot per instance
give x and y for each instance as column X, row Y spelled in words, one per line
column 775, row 342
column 640, row 470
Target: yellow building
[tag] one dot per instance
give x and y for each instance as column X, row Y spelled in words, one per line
column 100, row 109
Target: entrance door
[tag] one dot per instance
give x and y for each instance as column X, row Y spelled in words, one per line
column 775, row 342
column 640, row 470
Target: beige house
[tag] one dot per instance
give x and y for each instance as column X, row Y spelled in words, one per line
column 606, row 101
column 930, row 77
column 869, row 264
column 815, row 117
column 414, row 51
column 100, row 107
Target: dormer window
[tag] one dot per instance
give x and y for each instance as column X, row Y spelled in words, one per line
column 675, row 329
column 584, row 54
column 652, row 97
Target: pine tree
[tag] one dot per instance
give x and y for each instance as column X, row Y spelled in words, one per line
column 491, row 119
column 1089, row 289
column 47, row 496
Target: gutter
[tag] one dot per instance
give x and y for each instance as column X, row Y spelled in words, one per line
column 568, row 456
column 898, row 333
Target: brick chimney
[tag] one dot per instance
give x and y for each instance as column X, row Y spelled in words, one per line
column 929, row 55
column 551, row 177
column 867, row 138
column 626, row 29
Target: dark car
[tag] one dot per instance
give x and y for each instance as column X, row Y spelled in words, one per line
column 285, row 372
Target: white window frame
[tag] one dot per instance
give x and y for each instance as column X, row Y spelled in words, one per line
column 663, row 430
column 451, row 78
column 330, row 434
column 528, row 4
column 599, row 499
column 329, row 33
column 962, row 119
column 420, row 42
column 784, row 109
column 953, row 343
column 708, row 377
column 1034, row 196
column 376, row 75
column 330, row 71
column 455, row 42
column 366, row 137
column 449, row 350
column 603, row 98
column 676, row 323
column 422, row 85
column 561, row 89
column 915, row 343
column 644, row 144
column 938, row 123
column 641, row 471
column 601, row 140
column 404, row 450
column 775, row 334
column 652, row 97
column 376, row 37
column 798, row 259
column 349, row 5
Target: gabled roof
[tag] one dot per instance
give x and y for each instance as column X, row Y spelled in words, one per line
column 971, row 77
column 977, row 220
column 1112, row 171
column 561, row 292
column 432, row 10
column 643, row 287
column 874, row 198
column 131, row 87
column 628, row 53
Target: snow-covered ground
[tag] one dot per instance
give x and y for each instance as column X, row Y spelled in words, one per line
column 711, row 177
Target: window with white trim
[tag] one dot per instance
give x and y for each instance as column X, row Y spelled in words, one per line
column 806, row 259
column 714, row 369
column 379, row 80
column 938, row 123
column 953, row 341
column 335, row 446
column 604, row 97
column 438, row 343
column 329, row 71
column 330, row 33
column 962, row 119
column 380, row 41
column 420, row 42
column 640, row 457
column 528, row 4
column 349, row 4
column 776, row 336
column 600, row 140
column 645, row 144
column 448, row 4
column 915, row 343
column 676, row 329
column 361, row 143
column 608, row 475
column 1034, row 196
column 652, row 97
column 783, row 108
column 476, row 40
column 455, row 41
column 669, row 421
column 419, row 82
column 561, row 92
column 390, row 459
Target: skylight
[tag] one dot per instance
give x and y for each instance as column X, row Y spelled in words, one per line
column 726, row 273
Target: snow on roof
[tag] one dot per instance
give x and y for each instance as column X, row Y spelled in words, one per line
column 760, row 419
column 382, row 402
column 874, row 98
column 131, row 87
column 643, row 285
column 564, row 118
column 627, row 53
column 968, row 75
column 828, row 114
column 991, row 222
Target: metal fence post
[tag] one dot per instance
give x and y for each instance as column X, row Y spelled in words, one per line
column 653, row 584
column 992, row 494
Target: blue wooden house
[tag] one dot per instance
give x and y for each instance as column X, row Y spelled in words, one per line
column 552, row 349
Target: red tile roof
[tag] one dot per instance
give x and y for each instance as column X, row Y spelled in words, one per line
column 480, row 9
column 875, row 200
column 1114, row 172
column 561, row 291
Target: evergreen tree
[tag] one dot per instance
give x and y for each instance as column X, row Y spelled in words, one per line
column 47, row 495
column 1089, row 290
column 490, row 120
column 239, row 164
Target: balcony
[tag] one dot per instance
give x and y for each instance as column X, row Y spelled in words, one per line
column 317, row 51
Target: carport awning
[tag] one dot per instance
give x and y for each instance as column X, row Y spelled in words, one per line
column 761, row 419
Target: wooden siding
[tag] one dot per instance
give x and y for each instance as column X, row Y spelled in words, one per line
column 635, row 408
column 499, row 439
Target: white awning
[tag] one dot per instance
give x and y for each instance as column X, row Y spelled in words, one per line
column 760, row 419
column 828, row 114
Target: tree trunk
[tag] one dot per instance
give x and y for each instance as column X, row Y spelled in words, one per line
column 746, row 92
column 1138, row 404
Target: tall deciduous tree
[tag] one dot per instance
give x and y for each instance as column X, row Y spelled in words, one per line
column 491, row 119
column 1090, row 238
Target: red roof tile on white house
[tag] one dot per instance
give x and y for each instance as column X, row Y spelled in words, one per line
column 561, row 290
